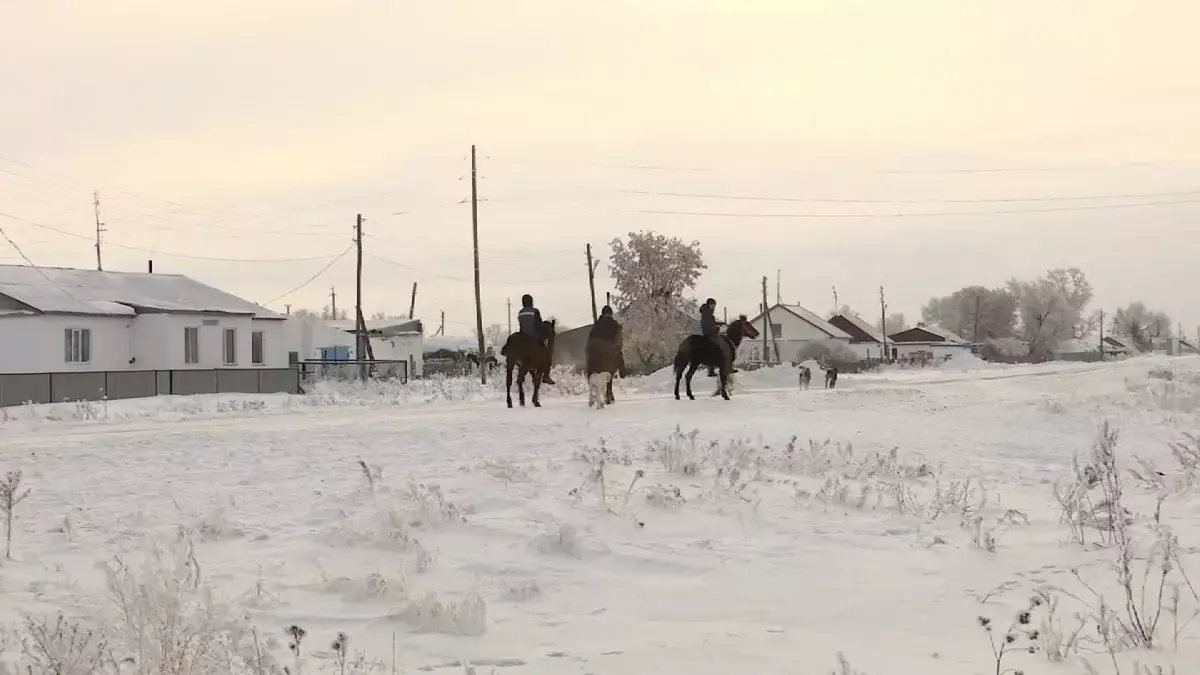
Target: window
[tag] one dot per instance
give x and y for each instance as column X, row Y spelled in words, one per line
column 256, row 348
column 78, row 345
column 777, row 330
column 229, row 348
column 191, row 345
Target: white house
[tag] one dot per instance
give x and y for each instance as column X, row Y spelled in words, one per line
column 927, row 342
column 59, row 320
column 865, row 339
column 791, row 327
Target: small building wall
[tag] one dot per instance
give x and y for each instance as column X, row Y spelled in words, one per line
column 36, row 343
column 939, row 350
column 401, row 348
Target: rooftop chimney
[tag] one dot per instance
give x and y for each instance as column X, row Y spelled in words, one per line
column 149, row 267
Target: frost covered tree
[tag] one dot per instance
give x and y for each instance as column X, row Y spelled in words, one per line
column 653, row 266
column 975, row 312
column 495, row 334
column 1141, row 325
column 651, row 273
column 893, row 324
column 1051, row 309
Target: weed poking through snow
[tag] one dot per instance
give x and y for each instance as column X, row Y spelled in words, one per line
column 11, row 496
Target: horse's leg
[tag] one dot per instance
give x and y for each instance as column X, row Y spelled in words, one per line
column 724, row 374
column 508, row 384
column 692, row 367
column 521, row 370
column 538, row 374
column 608, row 393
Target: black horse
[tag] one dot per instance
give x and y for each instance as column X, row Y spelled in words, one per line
column 698, row 350
column 528, row 356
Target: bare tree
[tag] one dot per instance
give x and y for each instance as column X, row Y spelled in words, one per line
column 975, row 312
column 894, row 324
column 495, row 334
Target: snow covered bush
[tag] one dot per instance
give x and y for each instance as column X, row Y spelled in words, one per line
column 830, row 354
column 1003, row 350
column 430, row 614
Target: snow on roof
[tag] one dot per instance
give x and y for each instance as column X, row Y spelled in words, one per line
column 399, row 325
column 945, row 334
column 60, row 290
column 863, row 325
column 433, row 343
column 808, row 317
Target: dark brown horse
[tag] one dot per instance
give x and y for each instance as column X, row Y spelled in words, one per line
column 603, row 362
column 528, row 356
column 698, row 350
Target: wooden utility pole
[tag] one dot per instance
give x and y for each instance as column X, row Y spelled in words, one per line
column 287, row 310
column 442, row 325
column 975, row 338
column 883, row 325
column 360, row 324
column 412, row 304
column 333, row 303
column 508, row 311
column 836, row 306
column 475, row 241
column 778, row 282
column 99, row 229
column 591, row 268
column 1101, row 335
column 766, row 323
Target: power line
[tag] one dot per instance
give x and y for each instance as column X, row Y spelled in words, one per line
column 864, row 170
column 812, row 200
column 931, row 214
column 418, row 270
column 39, row 270
column 162, row 253
column 313, row 278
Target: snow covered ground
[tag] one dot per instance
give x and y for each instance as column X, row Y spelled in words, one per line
column 767, row 534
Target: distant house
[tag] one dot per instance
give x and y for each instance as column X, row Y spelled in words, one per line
column 86, row 334
column 1118, row 346
column 391, row 340
column 865, row 339
column 56, row 319
column 791, row 327
column 1187, row 347
column 927, row 342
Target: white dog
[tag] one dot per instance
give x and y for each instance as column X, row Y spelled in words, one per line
column 598, row 389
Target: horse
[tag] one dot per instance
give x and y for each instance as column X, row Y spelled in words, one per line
column 805, row 377
column 698, row 350
column 831, row 375
column 603, row 362
column 528, row 356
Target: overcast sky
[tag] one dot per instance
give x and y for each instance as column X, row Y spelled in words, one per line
column 257, row 130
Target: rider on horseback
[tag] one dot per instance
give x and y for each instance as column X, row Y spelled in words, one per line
column 607, row 329
column 711, row 328
column 529, row 319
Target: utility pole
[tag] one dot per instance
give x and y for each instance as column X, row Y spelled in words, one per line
column 975, row 338
column 287, row 309
column 99, row 229
column 1101, row 335
column 508, row 311
column 778, row 286
column 591, row 268
column 835, row 300
column 333, row 303
column 766, row 323
column 360, row 324
column 475, row 240
column 412, row 304
column 883, row 324
column 442, row 325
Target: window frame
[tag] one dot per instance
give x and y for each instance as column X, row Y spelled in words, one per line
column 258, row 351
column 77, row 345
column 229, row 350
column 191, row 345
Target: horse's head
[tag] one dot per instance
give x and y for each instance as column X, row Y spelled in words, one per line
column 741, row 328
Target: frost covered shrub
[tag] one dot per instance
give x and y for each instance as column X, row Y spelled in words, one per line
column 429, row 614
column 1004, row 350
column 830, row 354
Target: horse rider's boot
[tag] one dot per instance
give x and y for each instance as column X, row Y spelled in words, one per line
column 546, row 379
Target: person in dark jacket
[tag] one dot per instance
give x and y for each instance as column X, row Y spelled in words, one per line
column 529, row 322
column 607, row 329
column 710, row 327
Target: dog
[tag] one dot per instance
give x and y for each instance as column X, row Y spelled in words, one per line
column 598, row 389
column 805, row 377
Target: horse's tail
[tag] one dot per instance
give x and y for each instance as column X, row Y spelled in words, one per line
column 504, row 350
column 681, row 360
